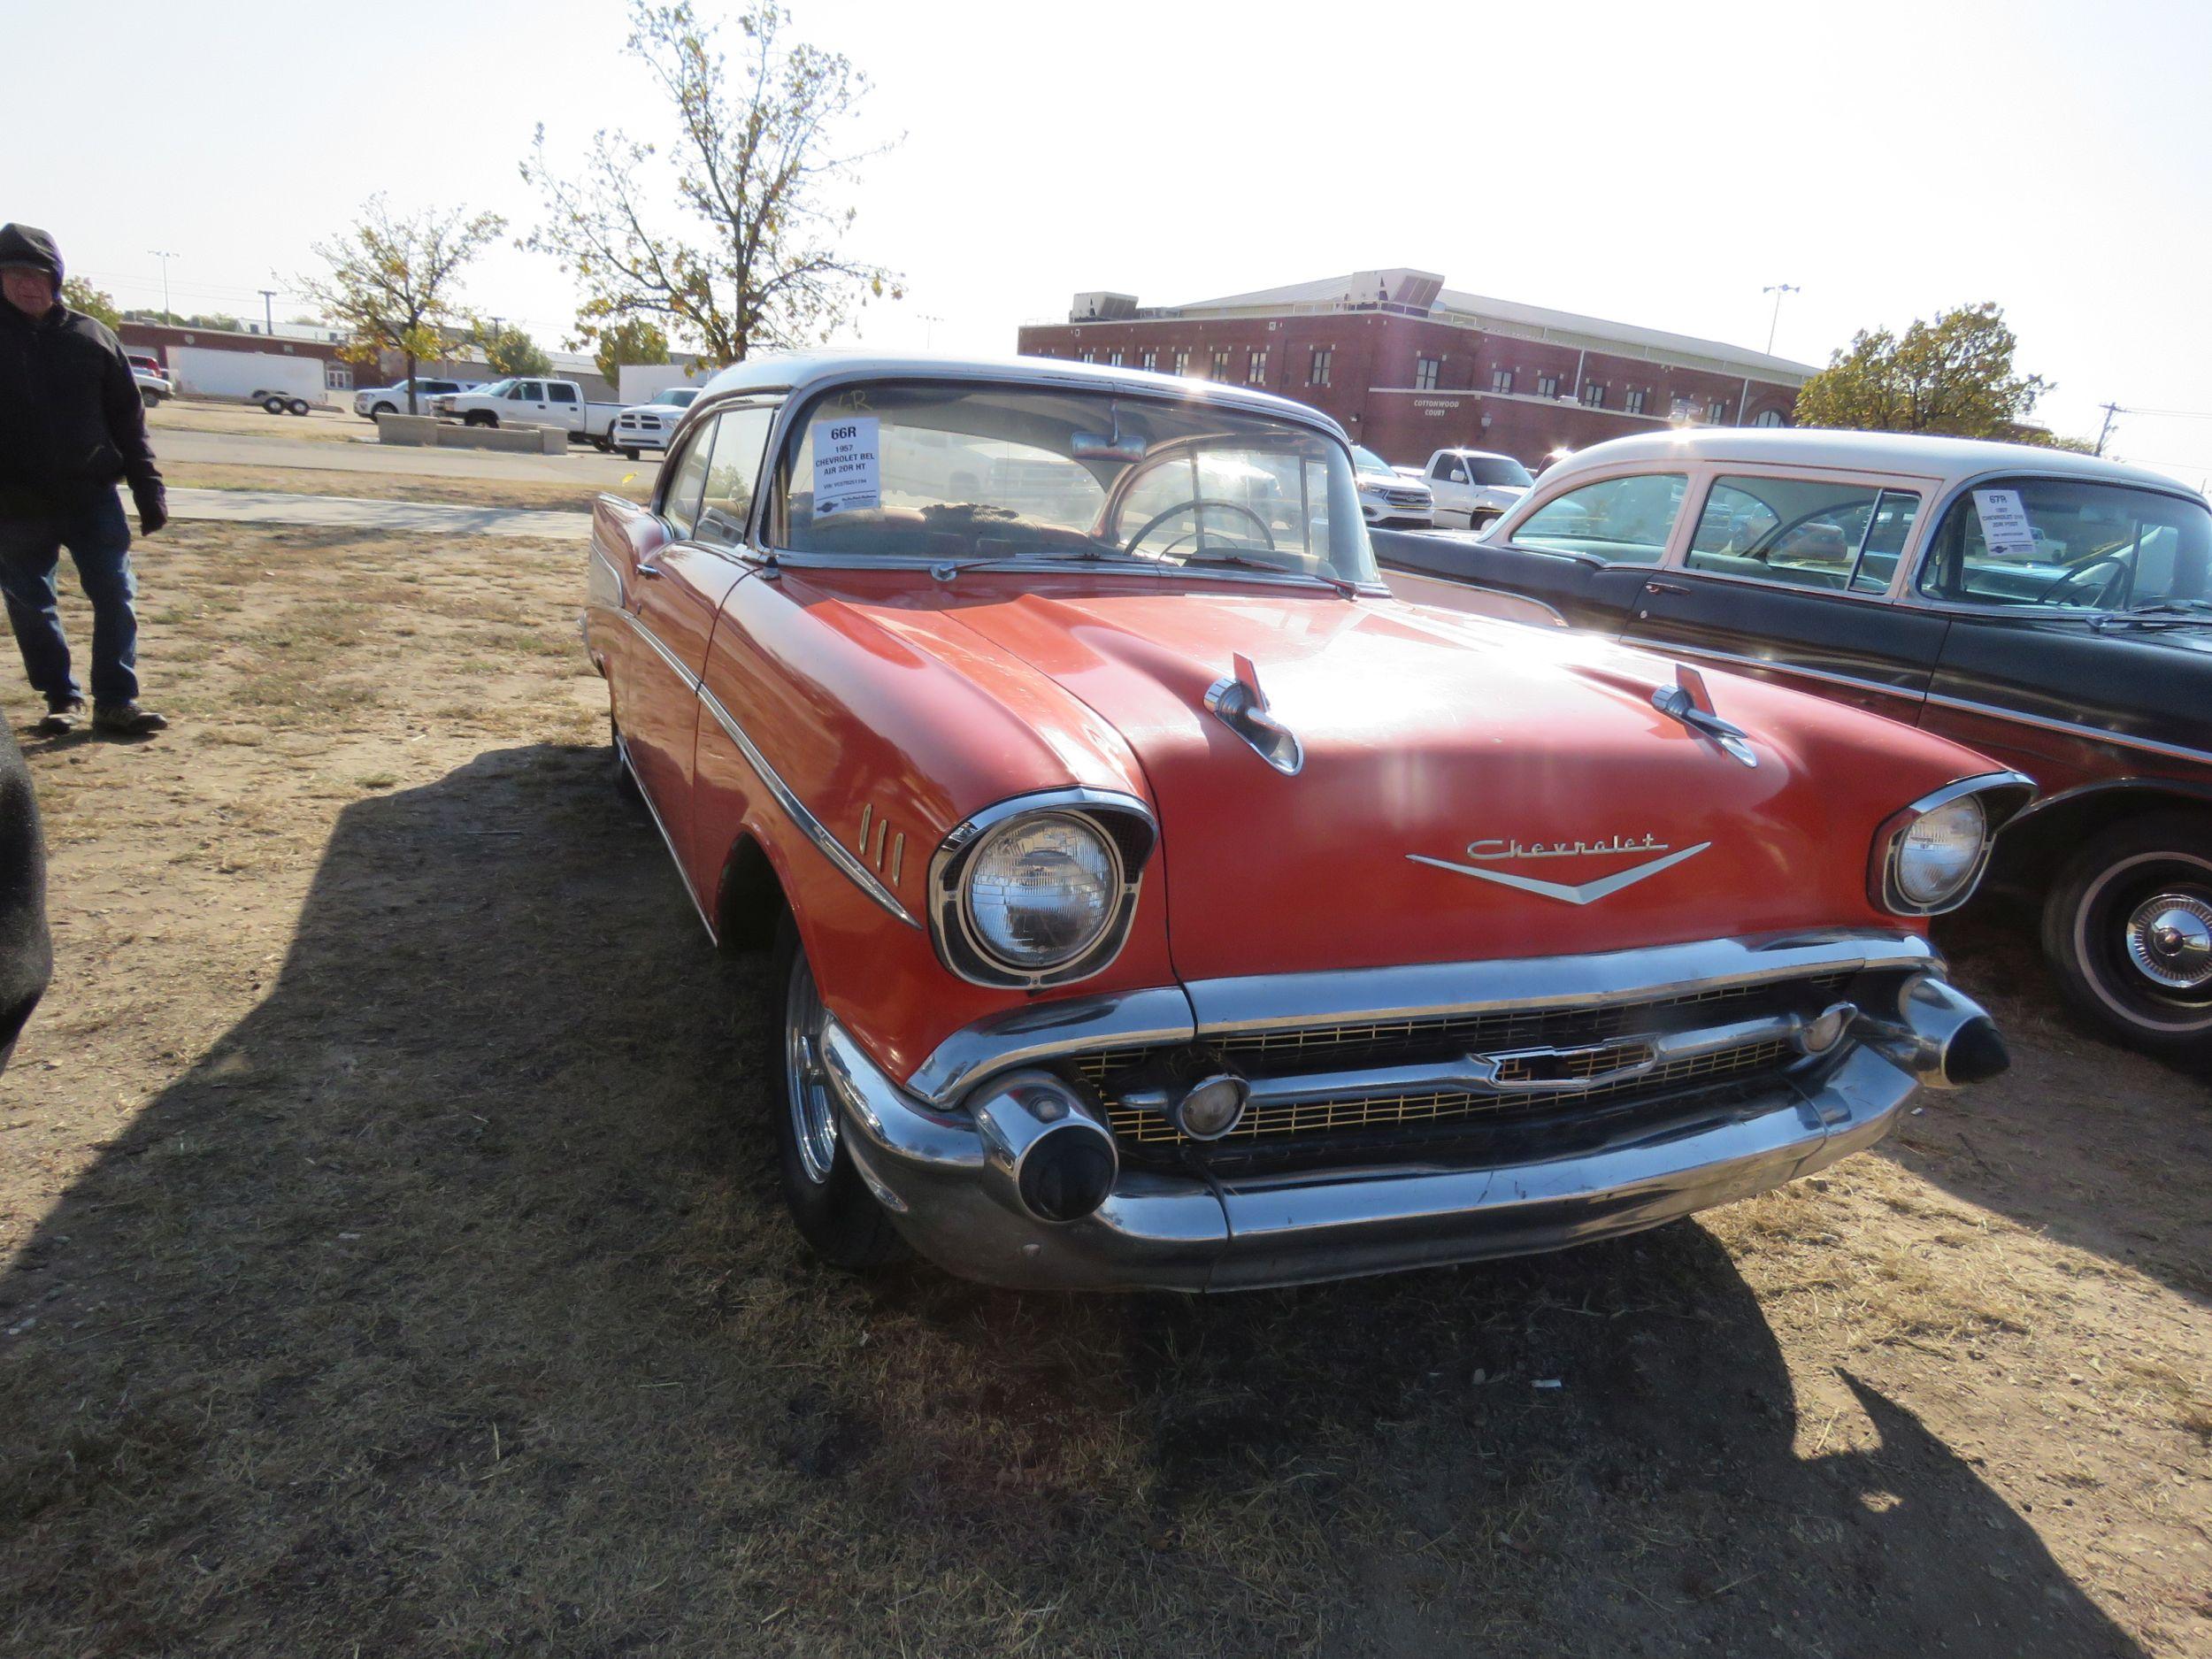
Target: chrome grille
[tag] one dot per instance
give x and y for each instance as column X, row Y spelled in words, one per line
column 1595, row 1043
column 1375, row 1112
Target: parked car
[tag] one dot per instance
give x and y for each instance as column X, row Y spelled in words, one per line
column 2053, row 610
column 146, row 363
column 1475, row 485
column 152, row 388
column 1387, row 499
column 650, row 425
column 392, row 400
column 528, row 400
column 1153, row 901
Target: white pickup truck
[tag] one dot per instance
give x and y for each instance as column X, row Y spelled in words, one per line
column 1475, row 485
column 528, row 402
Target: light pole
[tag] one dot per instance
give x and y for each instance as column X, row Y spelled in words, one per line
column 929, row 327
column 268, row 312
column 167, row 316
column 1777, row 289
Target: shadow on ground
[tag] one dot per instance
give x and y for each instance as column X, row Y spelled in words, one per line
column 443, row 1307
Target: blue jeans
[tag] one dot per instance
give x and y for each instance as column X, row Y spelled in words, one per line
column 99, row 541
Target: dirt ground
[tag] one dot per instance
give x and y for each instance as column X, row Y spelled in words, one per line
column 393, row 1265
column 474, row 492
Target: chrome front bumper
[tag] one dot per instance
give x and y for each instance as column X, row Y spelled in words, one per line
column 929, row 1164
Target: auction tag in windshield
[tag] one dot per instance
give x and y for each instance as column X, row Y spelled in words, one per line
column 2004, row 529
column 848, row 477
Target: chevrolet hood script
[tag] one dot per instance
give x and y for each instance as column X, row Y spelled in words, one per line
column 1489, row 852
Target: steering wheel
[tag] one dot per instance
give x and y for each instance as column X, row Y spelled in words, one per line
column 1159, row 518
column 2073, row 579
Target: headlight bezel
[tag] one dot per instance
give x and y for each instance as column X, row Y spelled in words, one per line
column 1123, row 822
column 1999, row 794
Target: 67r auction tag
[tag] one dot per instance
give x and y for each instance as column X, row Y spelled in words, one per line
column 848, row 475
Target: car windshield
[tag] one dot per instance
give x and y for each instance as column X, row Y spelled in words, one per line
column 680, row 398
column 1370, row 462
column 2072, row 544
column 496, row 389
column 1491, row 470
column 938, row 472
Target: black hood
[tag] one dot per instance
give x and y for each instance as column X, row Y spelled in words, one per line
column 27, row 245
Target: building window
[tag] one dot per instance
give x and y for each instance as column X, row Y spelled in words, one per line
column 1424, row 373
column 1221, row 362
column 1150, row 360
column 1256, row 374
column 1113, row 358
column 1182, row 361
column 1767, row 418
column 1319, row 373
column 1634, row 402
column 1548, row 386
column 1085, row 355
column 1502, row 380
column 1715, row 411
column 1593, row 395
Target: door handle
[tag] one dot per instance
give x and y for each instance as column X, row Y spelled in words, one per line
column 651, row 572
column 1664, row 587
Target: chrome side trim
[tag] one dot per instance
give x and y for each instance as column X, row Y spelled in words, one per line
column 795, row 809
column 2074, row 728
column 621, row 589
column 1440, row 990
column 1049, row 1030
column 1668, row 647
column 622, row 751
column 682, row 669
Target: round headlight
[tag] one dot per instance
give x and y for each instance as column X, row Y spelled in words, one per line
column 1937, row 855
column 1041, row 889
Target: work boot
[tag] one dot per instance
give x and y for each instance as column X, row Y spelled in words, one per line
column 125, row 719
column 61, row 717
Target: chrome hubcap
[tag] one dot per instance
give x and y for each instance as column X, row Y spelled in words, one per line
column 2170, row 940
column 806, row 1084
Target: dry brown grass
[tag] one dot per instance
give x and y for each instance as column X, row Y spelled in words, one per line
column 474, row 492
column 395, row 1267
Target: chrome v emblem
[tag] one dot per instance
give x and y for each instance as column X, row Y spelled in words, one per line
column 1589, row 893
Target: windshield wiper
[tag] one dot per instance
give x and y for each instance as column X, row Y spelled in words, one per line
column 1245, row 561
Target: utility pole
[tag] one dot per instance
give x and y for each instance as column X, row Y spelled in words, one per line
column 929, row 327
column 2110, row 409
column 1777, row 289
column 167, row 316
column 268, row 311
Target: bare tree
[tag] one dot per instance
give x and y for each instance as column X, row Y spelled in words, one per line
column 755, row 167
column 392, row 280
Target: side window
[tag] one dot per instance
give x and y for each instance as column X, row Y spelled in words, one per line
column 1441, row 468
column 1807, row 531
column 559, row 393
column 1621, row 520
column 740, row 437
column 680, row 502
column 2070, row 543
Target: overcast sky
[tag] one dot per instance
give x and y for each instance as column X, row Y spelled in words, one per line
column 1657, row 163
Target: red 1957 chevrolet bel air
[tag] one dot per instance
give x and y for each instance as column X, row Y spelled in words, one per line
column 1155, row 901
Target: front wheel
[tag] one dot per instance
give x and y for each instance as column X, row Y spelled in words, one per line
column 606, row 446
column 151, row 400
column 830, row 1204
column 629, row 454
column 2128, row 930
column 383, row 409
column 480, row 418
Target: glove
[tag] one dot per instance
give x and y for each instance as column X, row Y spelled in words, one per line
column 153, row 507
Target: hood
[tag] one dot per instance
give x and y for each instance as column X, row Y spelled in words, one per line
column 1470, row 788
column 1501, row 494
column 27, row 245
column 1390, row 480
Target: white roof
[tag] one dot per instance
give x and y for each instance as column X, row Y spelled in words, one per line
column 799, row 371
column 1950, row 461
column 1361, row 288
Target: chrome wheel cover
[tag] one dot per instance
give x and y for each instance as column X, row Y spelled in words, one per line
column 2170, row 940
column 806, row 1084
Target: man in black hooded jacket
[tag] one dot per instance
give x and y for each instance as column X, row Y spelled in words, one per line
column 70, row 424
column 27, row 956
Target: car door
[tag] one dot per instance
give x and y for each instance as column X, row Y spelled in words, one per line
column 1585, row 551
column 676, row 598
column 1450, row 485
column 1789, row 576
column 564, row 405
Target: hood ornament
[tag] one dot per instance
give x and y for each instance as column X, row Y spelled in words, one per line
column 1239, row 704
column 1566, row 893
column 1688, row 700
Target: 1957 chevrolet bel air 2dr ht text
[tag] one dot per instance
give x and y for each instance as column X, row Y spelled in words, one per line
column 1158, row 902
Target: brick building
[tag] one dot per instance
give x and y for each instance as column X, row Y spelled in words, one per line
column 1409, row 366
